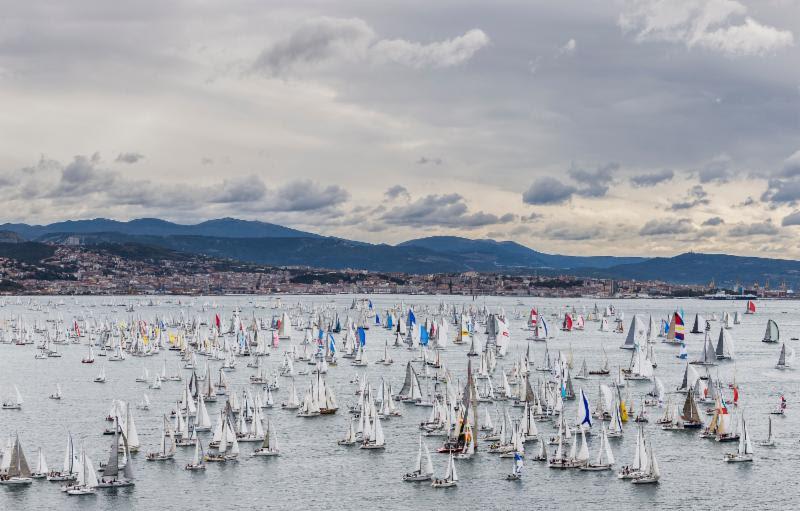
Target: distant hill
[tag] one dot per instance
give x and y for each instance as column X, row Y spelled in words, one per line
column 694, row 268
column 318, row 252
column 274, row 245
column 221, row 228
column 27, row 251
column 508, row 254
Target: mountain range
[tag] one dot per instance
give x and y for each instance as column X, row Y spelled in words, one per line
column 272, row 244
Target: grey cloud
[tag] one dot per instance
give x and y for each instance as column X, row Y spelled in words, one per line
column 245, row 189
column 652, row 179
column 424, row 160
column 570, row 232
column 780, row 191
column 791, row 166
column 129, row 157
column 397, row 191
column 594, row 182
column 714, row 220
column 305, row 195
column 84, row 180
column 548, row 190
column 785, row 189
column 749, row 201
column 205, row 160
column 667, row 226
column 449, row 210
column 698, row 196
column 83, row 176
column 317, row 40
column 530, row 217
column 718, row 170
column 755, row 229
column 792, row 218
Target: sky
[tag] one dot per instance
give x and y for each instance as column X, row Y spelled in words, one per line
column 619, row 127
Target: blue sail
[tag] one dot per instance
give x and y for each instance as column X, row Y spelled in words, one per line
column 412, row 320
column 423, row 335
column 331, row 343
column 362, row 336
column 587, row 414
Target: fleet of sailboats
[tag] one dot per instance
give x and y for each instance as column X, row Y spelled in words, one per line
column 531, row 388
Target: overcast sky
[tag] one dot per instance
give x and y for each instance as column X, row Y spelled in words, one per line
column 643, row 127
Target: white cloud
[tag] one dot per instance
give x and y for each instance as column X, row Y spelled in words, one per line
column 326, row 39
column 450, row 52
column 568, row 48
column 716, row 25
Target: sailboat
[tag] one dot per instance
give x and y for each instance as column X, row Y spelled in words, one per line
column 708, row 357
column 351, row 438
column 744, row 452
column 772, row 334
column 57, row 394
column 583, row 374
column 604, row 370
column 145, row 404
column 197, row 462
column 41, row 466
column 640, row 458
column 637, row 334
column 605, row 457
column 784, row 361
column 167, row 446
column 111, row 477
column 691, row 415
column 376, row 438
column 769, row 442
column 450, row 479
column 101, row 378
column 18, row 472
column 651, row 474
column 69, row 471
column 86, row 482
column 781, row 408
column 424, row 466
column 90, row 358
column 516, row 474
column 145, row 377
column 724, row 348
column 269, row 447
column 293, row 403
column 14, row 403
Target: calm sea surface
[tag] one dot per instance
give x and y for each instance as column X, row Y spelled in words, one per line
column 314, row 473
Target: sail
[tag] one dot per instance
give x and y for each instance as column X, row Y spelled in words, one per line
column 699, row 324
column 90, row 474
column 724, row 347
column 607, row 447
column 69, row 456
column 637, row 333
column 112, row 466
column 772, row 334
column 690, row 412
column 18, row 466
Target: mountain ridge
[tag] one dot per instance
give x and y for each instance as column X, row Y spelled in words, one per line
column 275, row 245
